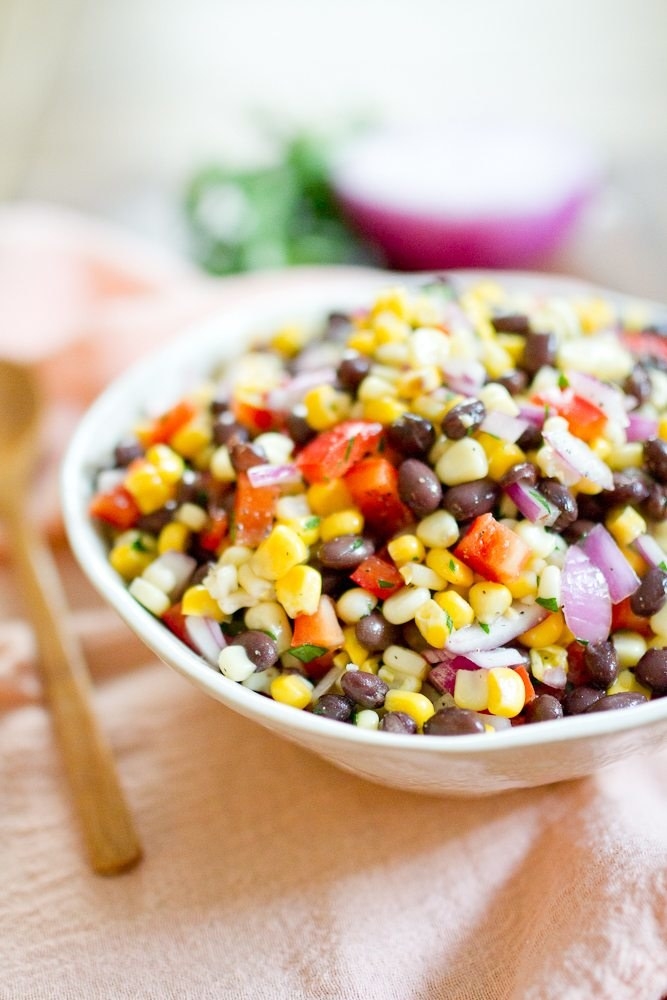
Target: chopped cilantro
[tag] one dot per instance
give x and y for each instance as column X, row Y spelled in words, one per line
column 311, row 523
column 356, row 544
column 385, row 584
column 663, row 566
column 484, row 627
column 550, row 603
column 452, row 565
column 349, row 446
column 449, row 622
column 563, row 382
column 543, row 502
column 306, row 653
column 139, row 545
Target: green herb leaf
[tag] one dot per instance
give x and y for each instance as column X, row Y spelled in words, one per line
column 449, row 621
column 385, row 584
column 311, row 523
column 452, row 565
column 348, row 449
column 550, row 603
column 563, row 382
column 356, row 544
column 484, row 627
column 543, row 502
column 139, row 545
column 307, row 652
column 663, row 566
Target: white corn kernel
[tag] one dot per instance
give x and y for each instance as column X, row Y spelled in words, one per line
column 548, row 588
column 260, row 680
column 496, row 397
column 255, row 585
column 367, row 719
column 419, row 575
column 191, row 516
column 463, row 462
column 235, row 555
column 221, row 465
column 630, row 647
column 438, row 530
column 220, row 581
column 235, row 663
column 537, row 538
column 151, row 597
column 278, row 448
column 397, row 680
column 471, row 689
column 402, row 606
column 355, row 604
column 405, row 660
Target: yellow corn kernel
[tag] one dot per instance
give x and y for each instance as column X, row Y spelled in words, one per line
column 626, row 681
column 343, row 522
column 278, row 553
column 662, row 428
column 384, row 409
column 173, row 537
column 413, row 703
column 307, row 528
column 406, row 548
column 289, row 340
column 630, row 647
column 429, row 408
column 392, row 300
column 449, row 567
column 132, row 553
column 192, row 438
column 325, row 407
column 389, row 328
column 594, row 314
column 626, row 456
column 524, row 585
column 547, row 660
column 626, row 525
column 418, row 381
column 507, row 694
column 601, row 447
column 168, row 463
column 147, row 487
column 638, row 564
column 299, row 590
column 434, row 624
column 503, row 458
column 456, row 607
column 489, row 600
column 471, row 689
column 423, row 311
column 356, row 653
column 547, row 633
column 370, row 665
column 496, row 359
column 197, row 601
column 362, row 341
column 292, row 689
column 329, row 497
column 514, row 344
column 397, row 680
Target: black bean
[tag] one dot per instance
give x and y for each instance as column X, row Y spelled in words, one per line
column 366, row 690
column 655, row 458
column 352, row 370
column 463, row 419
column 543, row 708
column 334, row 706
column 154, row 522
column 655, row 505
column 398, row 722
column 623, row 699
column 652, row 670
column 562, row 498
column 244, row 455
column 412, row 637
column 631, row 486
column 413, row 436
column 419, row 487
column 453, row 722
column 522, row 472
column 298, row 427
column 540, row 350
column 515, row 381
column 578, row 530
column 191, row 488
column 345, row 551
column 530, row 439
column 511, row 323
column 126, row 451
column 602, row 663
column 651, row 593
column 374, row 632
column 580, row 699
column 638, row 384
column 468, row 500
column 227, row 428
column 201, row 572
column 591, row 508
column 260, row 648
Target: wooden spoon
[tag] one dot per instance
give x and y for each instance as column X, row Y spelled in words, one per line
column 109, row 832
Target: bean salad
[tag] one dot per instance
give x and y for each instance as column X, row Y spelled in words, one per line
column 443, row 513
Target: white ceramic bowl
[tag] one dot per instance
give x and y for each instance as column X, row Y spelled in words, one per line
column 471, row 765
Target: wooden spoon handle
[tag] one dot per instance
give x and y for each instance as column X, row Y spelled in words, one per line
column 111, row 840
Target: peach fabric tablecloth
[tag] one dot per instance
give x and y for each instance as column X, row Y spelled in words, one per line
column 268, row 873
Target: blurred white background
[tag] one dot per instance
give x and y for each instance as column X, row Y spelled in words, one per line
column 109, row 105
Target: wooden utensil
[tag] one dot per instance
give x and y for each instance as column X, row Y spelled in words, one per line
column 111, row 840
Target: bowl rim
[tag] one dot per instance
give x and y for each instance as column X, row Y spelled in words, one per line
column 207, row 340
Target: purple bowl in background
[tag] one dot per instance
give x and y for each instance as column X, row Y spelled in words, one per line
column 495, row 196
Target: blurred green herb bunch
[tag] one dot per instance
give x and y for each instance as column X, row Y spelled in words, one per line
column 269, row 217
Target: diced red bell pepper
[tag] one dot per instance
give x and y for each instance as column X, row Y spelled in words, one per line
column 378, row 577
column 254, row 508
column 527, row 683
column 332, row 453
column 577, row 671
column 493, row 550
column 373, row 484
column 116, row 507
column 174, row 619
column 321, row 629
column 255, row 416
column 623, row 617
column 214, row 533
column 585, row 420
column 644, row 343
column 317, row 668
column 168, row 423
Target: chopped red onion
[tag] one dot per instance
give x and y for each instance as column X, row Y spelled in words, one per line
column 443, row 675
column 641, row 427
column 555, row 677
column 206, row 636
column 650, row 551
column 519, row 619
column 285, row 397
column 579, row 458
column 273, row 475
column 604, row 553
column 606, row 397
column 464, row 375
column 532, row 504
column 532, row 413
column 585, row 597
column 504, row 425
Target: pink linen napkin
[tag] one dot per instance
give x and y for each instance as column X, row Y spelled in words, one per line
column 267, row 872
